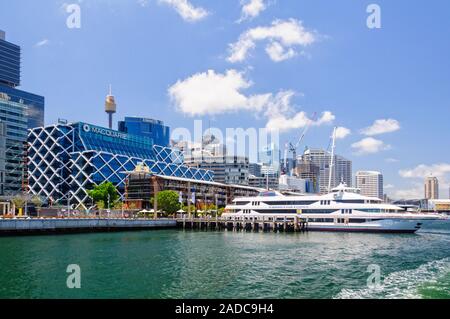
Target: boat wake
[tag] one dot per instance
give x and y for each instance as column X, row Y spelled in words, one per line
column 402, row 284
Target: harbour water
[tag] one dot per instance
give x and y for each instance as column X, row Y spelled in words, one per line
column 198, row 264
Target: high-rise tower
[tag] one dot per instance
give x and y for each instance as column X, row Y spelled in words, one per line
column 431, row 187
column 110, row 107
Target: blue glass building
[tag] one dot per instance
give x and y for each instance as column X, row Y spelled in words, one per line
column 65, row 160
column 19, row 111
column 9, row 62
column 153, row 129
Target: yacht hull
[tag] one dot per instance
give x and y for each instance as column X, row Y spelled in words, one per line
column 381, row 226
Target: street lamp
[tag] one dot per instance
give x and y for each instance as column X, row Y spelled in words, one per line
column 107, row 212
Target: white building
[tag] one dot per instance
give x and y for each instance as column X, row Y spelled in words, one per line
column 292, row 183
column 370, row 183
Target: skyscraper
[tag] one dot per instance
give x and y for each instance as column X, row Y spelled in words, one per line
column 145, row 127
column 431, row 187
column 342, row 170
column 370, row 183
column 19, row 111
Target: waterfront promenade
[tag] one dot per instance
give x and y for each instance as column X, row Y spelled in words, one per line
column 79, row 225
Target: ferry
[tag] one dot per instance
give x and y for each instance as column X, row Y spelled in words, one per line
column 343, row 209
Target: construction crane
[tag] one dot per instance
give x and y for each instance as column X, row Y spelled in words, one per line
column 293, row 148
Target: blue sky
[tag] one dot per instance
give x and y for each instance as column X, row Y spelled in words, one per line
column 331, row 61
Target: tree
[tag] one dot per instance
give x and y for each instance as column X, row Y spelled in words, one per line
column 37, row 201
column 168, row 201
column 100, row 193
column 19, row 201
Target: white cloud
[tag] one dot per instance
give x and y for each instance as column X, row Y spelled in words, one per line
column 278, row 53
column 42, row 43
column 369, row 145
column 342, row 132
column 283, row 123
column 439, row 170
column 143, row 3
column 388, row 186
column 414, row 192
column 187, row 10
column 422, row 171
column 214, row 93
column 211, row 93
column 251, row 9
column 283, row 35
column 381, row 127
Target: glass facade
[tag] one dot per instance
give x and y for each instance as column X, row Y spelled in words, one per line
column 68, row 159
column 34, row 105
column 9, row 63
column 19, row 111
column 153, row 129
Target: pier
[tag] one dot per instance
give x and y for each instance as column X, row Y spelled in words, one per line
column 248, row 224
column 80, row 225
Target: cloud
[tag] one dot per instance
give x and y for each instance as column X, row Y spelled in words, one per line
column 370, row 145
column 42, row 43
column 422, row 171
column 381, row 127
column 418, row 174
column 278, row 53
column 414, row 192
column 187, row 10
column 342, row 132
column 143, row 3
column 212, row 93
column 251, row 9
column 388, row 186
column 283, row 123
column 283, row 36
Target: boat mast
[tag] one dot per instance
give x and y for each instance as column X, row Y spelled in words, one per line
column 333, row 146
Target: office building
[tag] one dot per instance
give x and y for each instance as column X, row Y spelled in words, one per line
column 254, row 169
column 2, row 157
column 439, row 205
column 67, row 159
column 146, row 127
column 19, row 111
column 431, row 187
column 226, row 169
column 306, row 170
column 370, row 183
column 342, row 170
column 292, row 183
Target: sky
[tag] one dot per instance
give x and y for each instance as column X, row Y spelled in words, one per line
column 274, row 64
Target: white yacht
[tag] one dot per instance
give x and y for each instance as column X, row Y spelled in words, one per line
column 343, row 209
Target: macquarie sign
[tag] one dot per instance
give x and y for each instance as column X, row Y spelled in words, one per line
column 104, row 131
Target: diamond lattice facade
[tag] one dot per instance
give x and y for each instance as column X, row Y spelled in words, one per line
column 65, row 160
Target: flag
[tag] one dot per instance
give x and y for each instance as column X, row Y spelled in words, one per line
column 180, row 197
column 193, row 197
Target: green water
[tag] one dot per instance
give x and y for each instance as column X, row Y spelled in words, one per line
column 178, row 264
